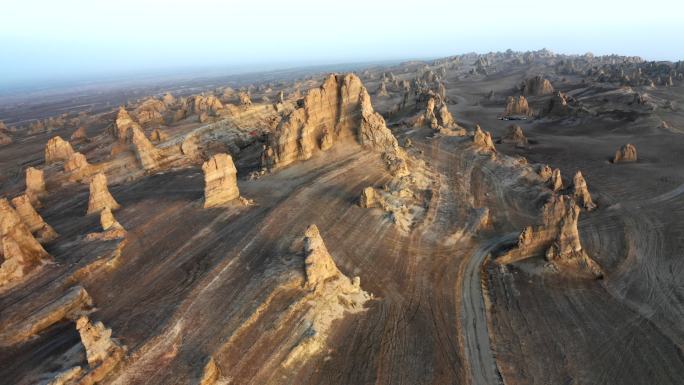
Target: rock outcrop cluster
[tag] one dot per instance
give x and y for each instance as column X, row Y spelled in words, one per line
column 517, row 106
column 100, row 198
column 57, row 150
column 220, row 180
column 21, row 252
column 556, row 238
column 625, row 154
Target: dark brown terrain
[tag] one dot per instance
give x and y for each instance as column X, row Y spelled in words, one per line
column 474, row 265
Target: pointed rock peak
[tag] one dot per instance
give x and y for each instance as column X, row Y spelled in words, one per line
column 545, row 172
column 581, row 192
column 100, row 198
column 122, row 124
column 220, row 180
column 97, row 341
column 57, row 150
column 483, row 139
column 556, row 180
column 319, row 264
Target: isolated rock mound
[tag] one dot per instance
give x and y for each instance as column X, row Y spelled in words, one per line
column 515, row 136
column 57, row 150
column 5, row 139
column 42, row 231
column 21, row 252
column 100, row 198
column 537, row 86
column 625, row 154
column 79, row 134
column 220, row 180
column 517, row 107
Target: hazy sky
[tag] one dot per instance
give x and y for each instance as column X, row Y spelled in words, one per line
column 53, row 39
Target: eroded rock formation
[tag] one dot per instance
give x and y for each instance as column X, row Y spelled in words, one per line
column 158, row 135
column 220, row 180
column 42, row 231
column 145, row 151
column 515, row 136
column 100, row 198
column 57, row 150
column 79, row 134
column 77, row 166
column 35, row 185
column 537, row 86
column 581, row 192
column 245, row 100
column 150, row 111
column 123, row 124
column 625, row 154
column 483, row 140
column 21, row 252
column 517, row 106
column 556, row 238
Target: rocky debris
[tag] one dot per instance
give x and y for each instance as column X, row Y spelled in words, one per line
column 245, row 100
column 21, row 252
column 79, row 135
column 43, row 232
column 517, row 106
column 580, row 192
column 626, row 153
column 556, row 238
column 220, row 180
column 57, row 150
column 556, row 180
column 35, row 185
column 74, row 303
column 150, row 111
column 158, row 135
column 208, row 104
column 537, row 86
column 515, row 136
column 100, row 198
column 483, row 140
column 147, row 154
column 123, row 124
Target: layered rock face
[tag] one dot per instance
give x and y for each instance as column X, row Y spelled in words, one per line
column 35, row 185
column 57, row 150
column 517, row 106
column 220, row 180
column 145, row 151
column 21, row 252
column 341, row 107
column 556, row 238
column 35, row 223
column 515, row 136
column 537, row 86
column 625, row 154
column 581, row 192
column 100, row 198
